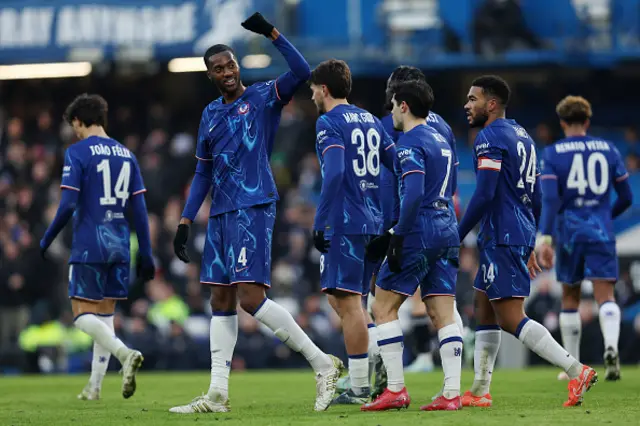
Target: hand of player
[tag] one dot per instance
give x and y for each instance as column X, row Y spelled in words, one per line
column 180, row 243
column 532, row 266
column 546, row 255
column 377, row 247
column 257, row 24
column 145, row 268
column 320, row 242
column 394, row 253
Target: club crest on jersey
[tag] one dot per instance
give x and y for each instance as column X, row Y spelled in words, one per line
column 243, row 108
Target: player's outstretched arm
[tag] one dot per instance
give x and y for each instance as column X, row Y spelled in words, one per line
column 299, row 73
column 331, row 182
column 486, row 184
column 68, row 203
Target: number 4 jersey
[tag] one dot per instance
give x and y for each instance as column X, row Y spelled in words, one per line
column 505, row 147
column 586, row 169
column 106, row 174
column 357, row 207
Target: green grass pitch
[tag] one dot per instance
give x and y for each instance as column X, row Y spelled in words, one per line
column 521, row 397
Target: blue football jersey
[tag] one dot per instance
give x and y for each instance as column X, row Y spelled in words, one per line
column 423, row 150
column 506, row 147
column 238, row 138
column 106, row 174
column 586, row 169
column 357, row 209
column 390, row 204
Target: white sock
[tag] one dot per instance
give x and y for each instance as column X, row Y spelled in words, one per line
column 610, row 324
column 374, row 349
column 359, row 372
column 101, row 356
column 391, row 348
column 484, row 357
column 223, row 335
column 571, row 331
column 457, row 318
column 451, row 355
column 539, row 340
column 102, row 335
column 280, row 321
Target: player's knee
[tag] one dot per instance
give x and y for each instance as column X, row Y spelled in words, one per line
column 223, row 299
column 251, row 297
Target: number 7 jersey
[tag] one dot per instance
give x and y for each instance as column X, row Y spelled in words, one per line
column 506, row 147
column 357, row 208
column 106, row 174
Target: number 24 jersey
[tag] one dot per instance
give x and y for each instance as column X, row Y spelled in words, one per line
column 357, row 208
column 506, row 147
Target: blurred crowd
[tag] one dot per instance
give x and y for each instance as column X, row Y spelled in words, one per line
column 168, row 318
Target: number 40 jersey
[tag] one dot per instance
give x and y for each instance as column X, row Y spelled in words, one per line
column 106, row 174
column 357, row 208
column 586, row 169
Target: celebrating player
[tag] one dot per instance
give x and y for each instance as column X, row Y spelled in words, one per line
column 351, row 145
column 399, row 75
column 578, row 174
column 507, row 204
column 100, row 180
column 235, row 139
column 422, row 249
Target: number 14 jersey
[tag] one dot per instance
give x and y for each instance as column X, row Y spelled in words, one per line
column 106, row 174
column 357, row 208
column 506, row 147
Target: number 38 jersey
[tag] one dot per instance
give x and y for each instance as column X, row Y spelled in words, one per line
column 106, row 174
column 357, row 208
column 585, row 169
column 506, row 147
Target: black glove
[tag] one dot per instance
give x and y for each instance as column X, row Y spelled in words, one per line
column 43, row 251
column 394, row 253
column 257, row 24
column 320, row 243
column 145, row 269
column 180, row 243
column 377, row 247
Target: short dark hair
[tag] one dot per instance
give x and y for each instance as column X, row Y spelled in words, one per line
column 494, row 86
column 88, row 109
column 574, row 110
column 406, row 73
column 336, row 75
column 417, row 94
column 214, row 50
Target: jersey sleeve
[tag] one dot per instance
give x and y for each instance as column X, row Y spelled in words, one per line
column 203, row 151
column 619, row 170
column 137, row 184
column 326, row 136
column 411, row 159
column 546, row 165
column 488, row 151
column 72, row 170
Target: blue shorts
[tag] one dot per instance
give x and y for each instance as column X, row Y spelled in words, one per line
column 345, row 267
column 581, row 261
column 238, row 247
column 433, row 270
column 98, row 281
column 503, row 272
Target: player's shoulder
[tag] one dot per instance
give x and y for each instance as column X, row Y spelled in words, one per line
column 211, row 108
column 436, row 121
